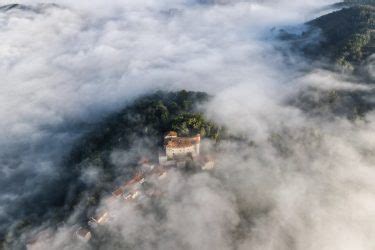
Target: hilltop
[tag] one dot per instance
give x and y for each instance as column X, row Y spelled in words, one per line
column 343, row 39
column 348, row 36
column 358, row 2
column 342, row 42
column 137, row 129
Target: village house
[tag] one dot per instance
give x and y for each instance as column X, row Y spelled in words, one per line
column 40, row 236
column 100, row 218
column 177, row 152
column 206, row 162
column 137, row 179
column 118, row 192
column 163, row 175
column 83, row 234
column 132, row 195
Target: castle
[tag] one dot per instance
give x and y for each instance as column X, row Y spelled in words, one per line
column 178, row 149
column 177, row 152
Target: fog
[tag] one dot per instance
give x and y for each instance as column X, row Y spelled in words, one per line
column 304, row 182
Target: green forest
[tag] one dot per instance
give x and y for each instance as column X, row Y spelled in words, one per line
column 138, row 128
column 362, row 2
column 150, row 117
column 348, row 35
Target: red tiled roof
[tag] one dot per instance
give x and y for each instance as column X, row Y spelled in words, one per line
column 137, row 178
column 182, row 142
column 179, row 143
column 118, row 192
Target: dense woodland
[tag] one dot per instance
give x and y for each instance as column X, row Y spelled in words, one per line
column 348, row 35
column 342, row 40
column 357, row 2
column 331, row 104
column 139, row 129
column 347, row 39
column 148, row 117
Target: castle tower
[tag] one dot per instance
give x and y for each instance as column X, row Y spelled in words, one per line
column 197, row 142
column 170, row 135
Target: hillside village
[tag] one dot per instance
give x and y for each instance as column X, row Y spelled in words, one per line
column 178, row 153
column 181, row 153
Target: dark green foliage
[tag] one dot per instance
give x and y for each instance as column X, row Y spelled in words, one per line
column 188, row 123
column 350, row 104
column 344, row 39
column 139, row 129
column 348, row 34
column 149, row 117
column 359, row 2
column 139, row 126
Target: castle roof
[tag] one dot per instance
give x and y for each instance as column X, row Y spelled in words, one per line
column 179, row 143
column 182, row 142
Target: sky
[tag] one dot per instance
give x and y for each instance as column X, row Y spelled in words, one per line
column 69, row 65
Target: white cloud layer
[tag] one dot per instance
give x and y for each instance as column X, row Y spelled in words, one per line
column 64, row 67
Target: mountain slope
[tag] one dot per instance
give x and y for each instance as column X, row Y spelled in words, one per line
column 343, row 40
column 135, row 131
column 359, row 2
column 348, row 36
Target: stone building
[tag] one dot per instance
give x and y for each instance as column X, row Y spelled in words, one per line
column 83, row 234
column 181, row 147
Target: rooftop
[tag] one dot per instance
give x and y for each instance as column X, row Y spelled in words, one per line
column 179, row 143
column 101, row 217
column 82, row 232
column 182, row 142
column 136, row 179
column 118, row 192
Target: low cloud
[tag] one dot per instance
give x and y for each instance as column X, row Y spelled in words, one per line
column 302, row 183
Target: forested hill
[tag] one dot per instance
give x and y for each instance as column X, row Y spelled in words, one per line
column 138, row 130
column 148, row 117
column 135, row 131
column 358, row 2
column 348, row 36
column 342, row 40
